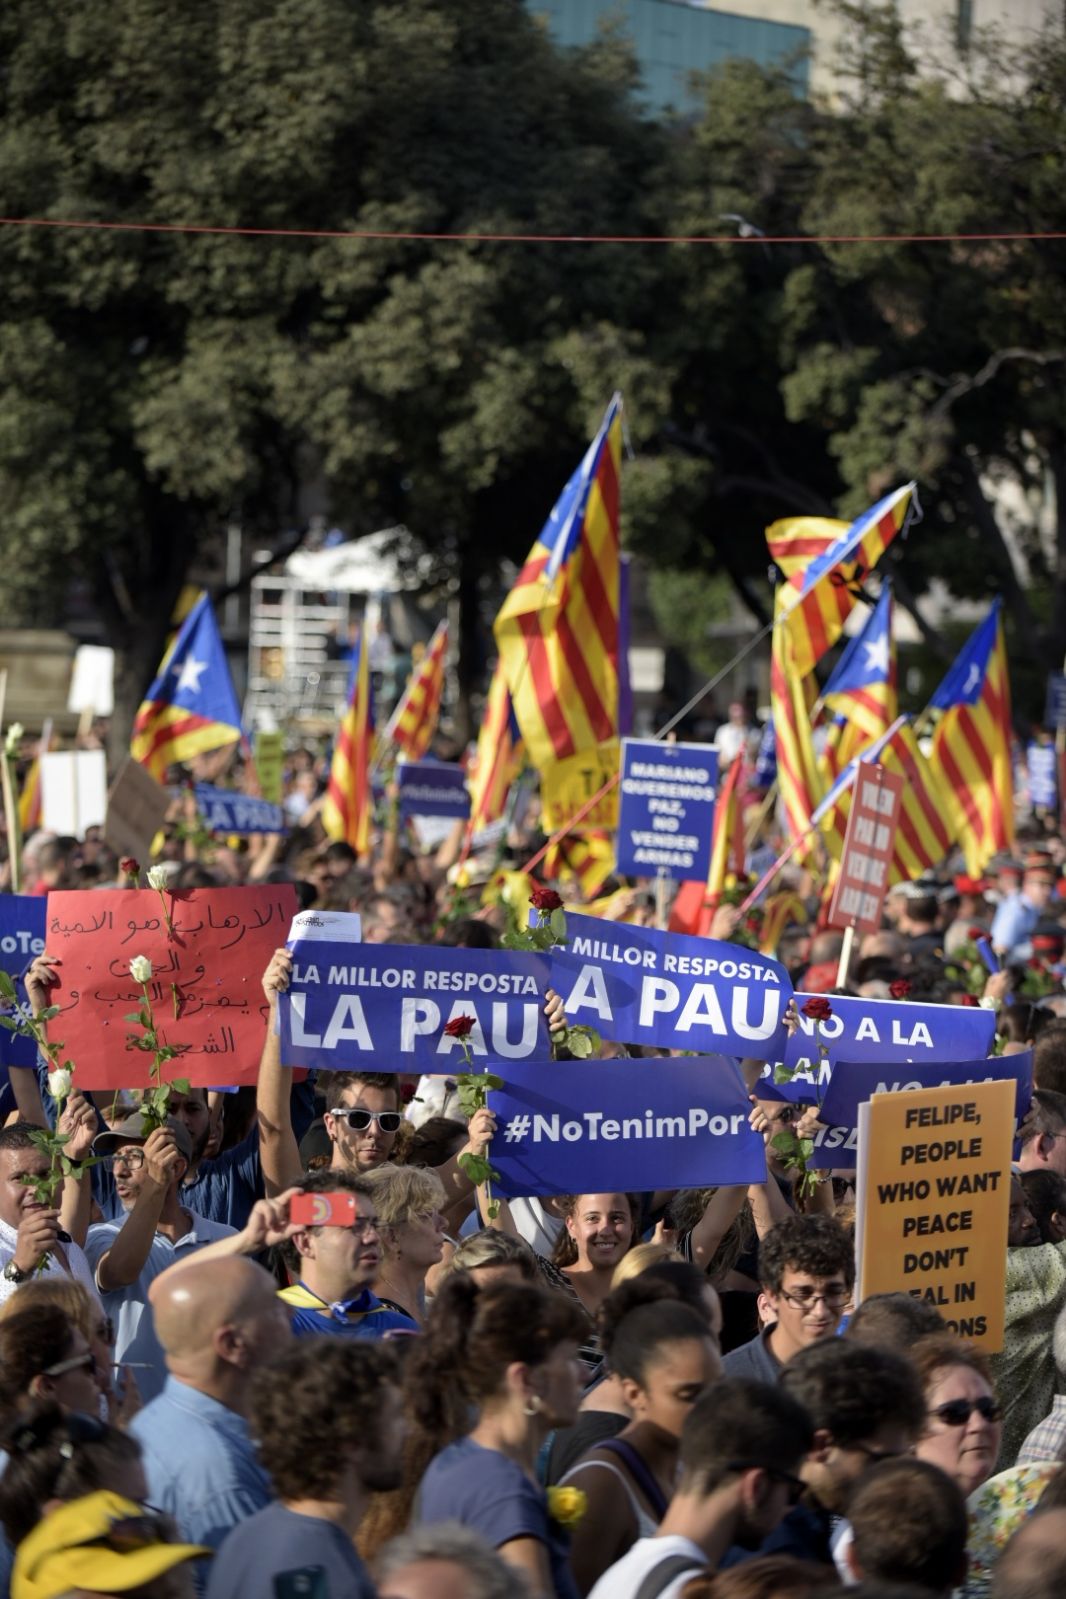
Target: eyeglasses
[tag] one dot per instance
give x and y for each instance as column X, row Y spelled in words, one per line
column 957, row 1412
column 85, row 1362
column 805, row 1299
column 795, row 1485
column 359, row 1120
column 365, row 1227
column 131, row 1158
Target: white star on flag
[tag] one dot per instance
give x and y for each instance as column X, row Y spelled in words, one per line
column 190, row 672
column 877, row 656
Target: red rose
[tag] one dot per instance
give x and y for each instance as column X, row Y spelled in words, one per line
column 129, row 867
column 544, row 899
column 818, row 1009
column 900, row 988
column 460, row 1026
column 407, row 1092
column 969, row 999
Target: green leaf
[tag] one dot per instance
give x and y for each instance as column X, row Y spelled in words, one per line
column 132, row 1016
column 180, row 1085
column 492, row 1209
column 784, row 1074
column 7, row 987
column 491, row 1081
column 805, row 1147
column 784, row 1143
column 9, row 1024
column 48, row 1013
column 557, row 923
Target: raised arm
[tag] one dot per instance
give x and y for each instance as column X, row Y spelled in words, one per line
column 279, row 1153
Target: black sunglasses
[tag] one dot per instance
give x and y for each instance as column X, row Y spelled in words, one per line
column 359, row 1120
column 957, row 1412
column 796, row 1485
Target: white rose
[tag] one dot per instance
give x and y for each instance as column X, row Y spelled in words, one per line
column 141, row 969
column 158, row 877
column 60, row 1083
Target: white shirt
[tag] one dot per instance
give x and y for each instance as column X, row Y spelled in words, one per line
column 623, row 1579
column 80, row 1269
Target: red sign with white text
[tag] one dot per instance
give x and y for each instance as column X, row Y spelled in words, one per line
column 862, row 884
column 205, row 989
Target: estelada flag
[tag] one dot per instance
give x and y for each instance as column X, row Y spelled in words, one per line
column 971, row 744
column 558, row 630
column 348, row 804
column 191, row 706
column 414, row 721
column 823, row 564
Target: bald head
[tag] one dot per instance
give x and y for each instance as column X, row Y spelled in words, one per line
column 199, row 1307
column 1033, row 1565
column 889, row 945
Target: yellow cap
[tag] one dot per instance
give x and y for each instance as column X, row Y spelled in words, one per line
column 101, row 1544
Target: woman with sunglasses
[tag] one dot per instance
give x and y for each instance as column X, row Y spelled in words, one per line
column 44, row 1356
column 962, row 1426
column 120, row 1398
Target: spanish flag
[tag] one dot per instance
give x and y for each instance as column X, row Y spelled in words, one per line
column 348, row 804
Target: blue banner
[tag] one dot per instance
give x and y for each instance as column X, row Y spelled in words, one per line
column 641, row 986
column 884, row 1031
column 374, row 1007
column 666, row 810
column 22, row 928
column 854, row 1082
column 433, row 788
column 765, row 773
column 226, row 811
column 624, row 1126
column 1041, row 760
column 1055, row 710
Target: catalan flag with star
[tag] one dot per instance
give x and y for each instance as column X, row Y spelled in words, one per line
column 558, row 630
column 971, row 744
column 191, row 706
column 861, row 690
column 414, row 721
column 347, row 807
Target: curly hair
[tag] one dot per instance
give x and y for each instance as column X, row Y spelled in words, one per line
column 817, row 1245
column 333, row 1385
column 852, row 1389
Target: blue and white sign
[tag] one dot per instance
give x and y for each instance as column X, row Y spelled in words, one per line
column 1055, row 715
column 22, row 926
column 226, row 811
column 384, row 1008
column 641, row 986
column 666, row 809
column 433, row 788
column 854, row 1082
column 620, row 1126
column 886, row 1031
column 1041, row 760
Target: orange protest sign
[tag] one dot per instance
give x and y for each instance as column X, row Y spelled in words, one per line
column 566, row 785
column 933, row 1197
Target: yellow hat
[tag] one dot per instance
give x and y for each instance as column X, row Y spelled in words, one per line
column 102, row 1544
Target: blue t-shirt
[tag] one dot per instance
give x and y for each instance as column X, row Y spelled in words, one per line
column 489, row 1493
column 362, row 1317
column 279, row 1543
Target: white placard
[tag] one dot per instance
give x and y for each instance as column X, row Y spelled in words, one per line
column 92, row 680
column 330, row 927
column 73, row 791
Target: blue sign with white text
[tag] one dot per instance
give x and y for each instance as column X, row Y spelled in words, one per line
column 226, row 811
column 22, row 927
column 666, row 809
column 385, row 1007
column 433, row 788
column 884, row 1031
column 642, row 986
column 854, row 1082
column 1041, row 760
column 623, row 1126
column 1055, row 711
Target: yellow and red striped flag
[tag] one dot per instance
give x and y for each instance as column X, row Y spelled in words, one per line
column 924, row 832
column 30, row 798
column 414, row 721
column 584, row 858
column 498, row 757
column 798, row 778
column 558, row 629
column 971, row 745
column 823, row 562
column 861, row 689
column 347, row 808
column 695, row 903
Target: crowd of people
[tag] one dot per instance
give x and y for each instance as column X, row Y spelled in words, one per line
column 208, row 1386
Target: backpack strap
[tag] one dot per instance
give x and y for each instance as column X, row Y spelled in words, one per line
column 667, row 1571
column 639, row 1472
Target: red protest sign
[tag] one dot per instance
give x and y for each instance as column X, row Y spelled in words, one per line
column 205, row 987
column 863, row 881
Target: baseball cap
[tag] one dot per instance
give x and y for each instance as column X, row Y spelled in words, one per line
column 101, row 1544
column 131, row 1131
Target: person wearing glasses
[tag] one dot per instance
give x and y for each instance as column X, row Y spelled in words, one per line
column 806, row 1271
column 962, row 1424
column 128, row 1255
column 742, row 1446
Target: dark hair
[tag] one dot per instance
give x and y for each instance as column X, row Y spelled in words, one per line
column 324, row 1180
column 1045, row 1193
column 55, row 1456
column 768, row 1577
column 466, row 932
column 817, row 1245
column 565, row 1251
column 893, row 1321
column 687, row 1282
column 19, row 1136
column 736, row 1421
column 1049, row 1113
column 1049, row 1057
column 922, row 908
column 337, row 1082
column 853, row 1389
column 30, row 1342
column 1022, row 1021
column 637, row 1319
column 941, row 1351
column 334, row 1386
column 434, row 1141
column 910, row 1525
